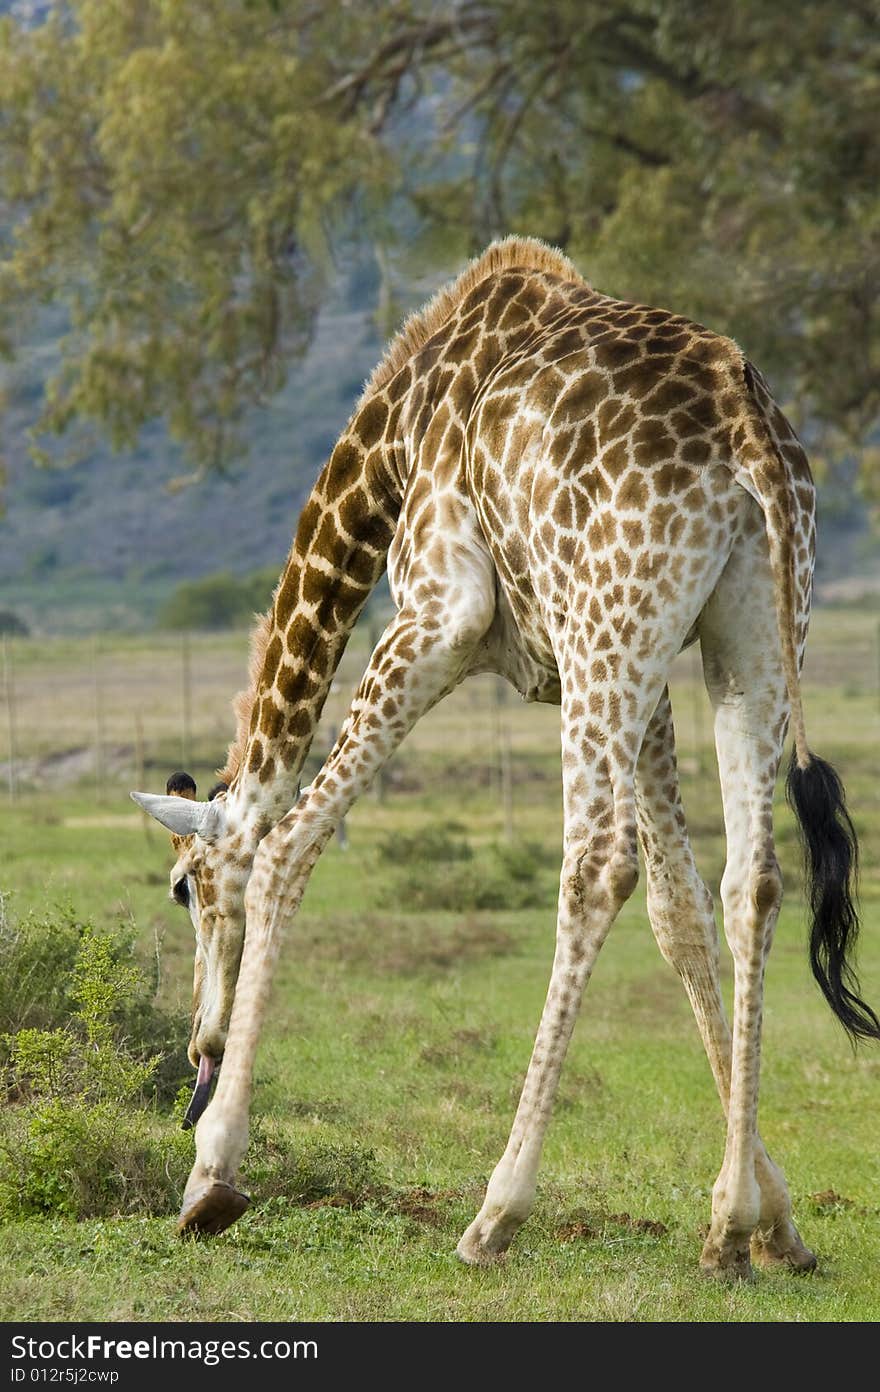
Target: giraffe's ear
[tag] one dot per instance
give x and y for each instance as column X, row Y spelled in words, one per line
column 181, row 785
column 184, row 816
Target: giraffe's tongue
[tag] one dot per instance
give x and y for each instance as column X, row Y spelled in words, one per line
column 201, row 1093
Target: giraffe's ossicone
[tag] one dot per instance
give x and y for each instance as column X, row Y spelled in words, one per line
column 566, row 490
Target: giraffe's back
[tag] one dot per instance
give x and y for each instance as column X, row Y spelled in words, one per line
column 600, row 457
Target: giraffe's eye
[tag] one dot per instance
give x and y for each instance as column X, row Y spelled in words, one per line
column 180, row 892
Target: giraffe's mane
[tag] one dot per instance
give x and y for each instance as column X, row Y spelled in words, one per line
column 243, row 703
column 524, row 253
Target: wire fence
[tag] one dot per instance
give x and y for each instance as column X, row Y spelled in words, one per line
column 108, row 712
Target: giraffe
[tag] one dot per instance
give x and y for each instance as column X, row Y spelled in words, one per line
column 567, row 489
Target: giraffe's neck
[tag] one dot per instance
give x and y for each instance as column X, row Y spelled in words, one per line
column 431, row 373
column 338, row 555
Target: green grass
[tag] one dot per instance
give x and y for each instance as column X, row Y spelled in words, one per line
column 398, row 1040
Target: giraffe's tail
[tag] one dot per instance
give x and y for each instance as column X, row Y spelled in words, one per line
column 831, row 857
column 815, row 792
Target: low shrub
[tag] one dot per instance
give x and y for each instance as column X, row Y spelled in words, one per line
column 37, row 955
column 60, row 1156
column 79, row 1134
column 508, row 876
column 218, row 601
column 434, row 843
column 309, row 1170
column 12, row 625
column 45, row 965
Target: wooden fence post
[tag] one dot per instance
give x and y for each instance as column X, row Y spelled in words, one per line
column 186, row 695
column 9, row 694
column 99, row 724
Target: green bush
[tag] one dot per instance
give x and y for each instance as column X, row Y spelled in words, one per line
column 37, row 955
column 259, row 587
column 11, row 624
column 219, row 601
column 434, row 843
column 45, row 967
column 80, row 1134
column 502, row 877
column 84, row 1053
column 58, row 1156
column 78, row 1138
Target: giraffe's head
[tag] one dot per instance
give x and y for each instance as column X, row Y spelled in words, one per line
column 209, row 877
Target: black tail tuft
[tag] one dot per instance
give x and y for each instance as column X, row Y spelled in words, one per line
column 831, row 856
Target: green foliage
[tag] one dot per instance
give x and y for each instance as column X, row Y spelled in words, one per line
column 75, row 1008
column 216, row 602
column 78, row 1141
column 260, row 587
column 314, row 1168
column 432, row 843
column 170, row 169
column 717, row 160
column 503, row 876
column 37, row 955
column 170, row 172
column 77, row 1137
column 60, row 1156
column 89, row 1060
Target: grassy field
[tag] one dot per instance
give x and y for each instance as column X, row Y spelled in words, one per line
column 405, row 1010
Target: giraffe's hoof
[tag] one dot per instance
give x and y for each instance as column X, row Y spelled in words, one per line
column 484, row 1243
column 726, row 1261
column 211, row 1210
column 475, row 1254
column 783, row 1249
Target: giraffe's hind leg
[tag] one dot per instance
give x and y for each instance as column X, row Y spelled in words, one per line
column 599, row 872
column 681, row 913
column 750, row 1207
column 611, row 681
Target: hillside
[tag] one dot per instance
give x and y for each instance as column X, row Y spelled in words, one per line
column 101, row 542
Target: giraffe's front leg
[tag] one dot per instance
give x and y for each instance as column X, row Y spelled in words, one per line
column 211, row 1201
column 410, row 669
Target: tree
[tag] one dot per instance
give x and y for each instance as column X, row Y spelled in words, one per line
column 171, row 171
column 168, row 170
column 717, row 159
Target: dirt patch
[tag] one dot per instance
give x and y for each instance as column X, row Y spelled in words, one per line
column 641, row 1225
column 422, row 1206
column 403, row 945
column 582, row 1226
column 576, row 1231
column 829, row 1199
